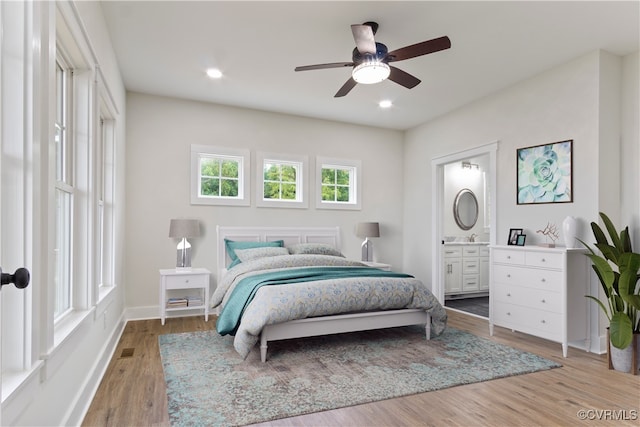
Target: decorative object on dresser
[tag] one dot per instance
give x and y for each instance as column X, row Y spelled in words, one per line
column 521, row 239
column 184, row 290
column 620, row 286
column 367, row 230
column 570, row 231
column 183, row 229
column 544, row 173
column 550, row 232
column 513, row 236
column 540, row 291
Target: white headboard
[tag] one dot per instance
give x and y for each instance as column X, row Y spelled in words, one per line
column 290, row 235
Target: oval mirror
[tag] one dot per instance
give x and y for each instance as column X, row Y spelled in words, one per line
column 465, row 209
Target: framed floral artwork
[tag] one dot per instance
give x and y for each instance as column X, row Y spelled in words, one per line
column 544, row 173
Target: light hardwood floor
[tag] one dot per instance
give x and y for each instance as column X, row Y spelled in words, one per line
column 132, row 392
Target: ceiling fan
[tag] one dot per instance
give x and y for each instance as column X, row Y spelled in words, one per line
column 370, row 59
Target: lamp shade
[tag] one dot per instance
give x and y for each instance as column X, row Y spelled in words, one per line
column 368, row 229
column 179, row 228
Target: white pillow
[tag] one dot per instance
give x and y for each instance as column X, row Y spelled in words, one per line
column 245, row 255
column 314, row 248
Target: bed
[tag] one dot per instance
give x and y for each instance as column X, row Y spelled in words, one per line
column 325, row 293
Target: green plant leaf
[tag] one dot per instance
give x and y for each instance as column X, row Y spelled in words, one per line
column 602, row 306
column 620, row 330
column 609, row 252
column 615, row 238
column 604, row 270
column 599, row 234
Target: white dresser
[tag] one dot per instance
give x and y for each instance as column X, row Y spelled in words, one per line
column 541, row 291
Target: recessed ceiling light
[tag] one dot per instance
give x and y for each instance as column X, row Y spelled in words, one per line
column 214, row 73
column 385, row 103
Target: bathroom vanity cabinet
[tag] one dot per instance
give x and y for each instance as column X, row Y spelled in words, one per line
column 466, row 268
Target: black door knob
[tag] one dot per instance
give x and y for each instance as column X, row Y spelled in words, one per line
column 20, row 278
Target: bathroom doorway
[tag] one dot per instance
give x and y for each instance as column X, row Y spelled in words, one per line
column 463, row 214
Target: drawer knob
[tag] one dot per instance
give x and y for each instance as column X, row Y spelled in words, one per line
column 508, row 275
column 508, row 313
column 543, row 321
column 543, row 301
column 508, row 256
column 543, row 280
column 509, row 294
column 544, row 260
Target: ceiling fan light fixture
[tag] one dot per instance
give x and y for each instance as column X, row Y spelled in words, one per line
column 370, row 72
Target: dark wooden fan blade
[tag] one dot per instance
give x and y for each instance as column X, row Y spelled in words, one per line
column 323, row 66
column 346, row 88
column 403, row 78
column 363, row 35
column 419, row 49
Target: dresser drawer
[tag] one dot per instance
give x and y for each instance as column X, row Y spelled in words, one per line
column 452, row 251
column 536, row 322
column 546, row 260
column 528, row 297
column 508, row 257
column 528, row 277
column 185, row 282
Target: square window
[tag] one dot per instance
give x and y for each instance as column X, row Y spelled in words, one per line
column 219, row 176
column 339, row 183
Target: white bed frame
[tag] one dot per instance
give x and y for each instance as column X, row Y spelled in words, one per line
column 314, row 326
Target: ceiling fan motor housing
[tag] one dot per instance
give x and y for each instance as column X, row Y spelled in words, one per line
column 381, row 53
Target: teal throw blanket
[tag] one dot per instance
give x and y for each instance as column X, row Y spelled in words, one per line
column 246, row 289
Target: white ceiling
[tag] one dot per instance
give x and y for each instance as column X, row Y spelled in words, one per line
column 164, row 48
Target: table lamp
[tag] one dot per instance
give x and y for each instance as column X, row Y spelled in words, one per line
column 182, row 229
column 367, row 230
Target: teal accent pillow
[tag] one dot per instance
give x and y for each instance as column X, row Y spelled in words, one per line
column 232, row 245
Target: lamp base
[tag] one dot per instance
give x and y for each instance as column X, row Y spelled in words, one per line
column 367, row 250
column 183, row 261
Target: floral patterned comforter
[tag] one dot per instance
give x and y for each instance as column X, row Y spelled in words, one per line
column 281, row 303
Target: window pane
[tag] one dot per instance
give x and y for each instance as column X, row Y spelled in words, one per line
column 209, row 167
column 288, row 191
column 62, row 251
column 343, row 194
column 229, row 188
column 271, row 172
column 210, row 187
column 328, row 176
column 328, row 193
column 229, row 169
column 271, row 190
column 342, row 177
column 288, row 173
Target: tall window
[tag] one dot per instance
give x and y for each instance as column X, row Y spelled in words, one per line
column 281, row 180
column 104, row 189
column 219, row 175
column 338, row 182
column 64, row 191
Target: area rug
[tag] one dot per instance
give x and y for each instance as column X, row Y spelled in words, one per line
column 208, row 383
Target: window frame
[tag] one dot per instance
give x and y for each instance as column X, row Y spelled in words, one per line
column 302, row 187
column 355, row 186
column 244, row 158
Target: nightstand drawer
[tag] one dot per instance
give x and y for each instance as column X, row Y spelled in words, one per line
column 186, row 282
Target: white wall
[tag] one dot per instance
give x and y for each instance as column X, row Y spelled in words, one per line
column 630, row 148
column 160, row 132
column 574, row 101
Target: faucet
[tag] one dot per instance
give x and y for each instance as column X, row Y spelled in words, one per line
column 472, row 238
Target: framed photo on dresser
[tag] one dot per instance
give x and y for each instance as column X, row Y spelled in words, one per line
column 513, row 236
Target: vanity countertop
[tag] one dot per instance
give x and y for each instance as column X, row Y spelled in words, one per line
column 465, row 243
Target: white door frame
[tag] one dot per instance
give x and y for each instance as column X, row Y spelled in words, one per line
column 437, row 201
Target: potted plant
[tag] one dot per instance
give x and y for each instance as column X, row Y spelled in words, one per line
column 617, row 267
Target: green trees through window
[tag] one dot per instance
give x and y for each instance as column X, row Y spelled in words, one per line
column 336, row 184
column 219, row 177
column 280, row 181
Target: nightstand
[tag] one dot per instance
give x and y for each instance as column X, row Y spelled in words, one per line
column 380, row 265
column 182, row 290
